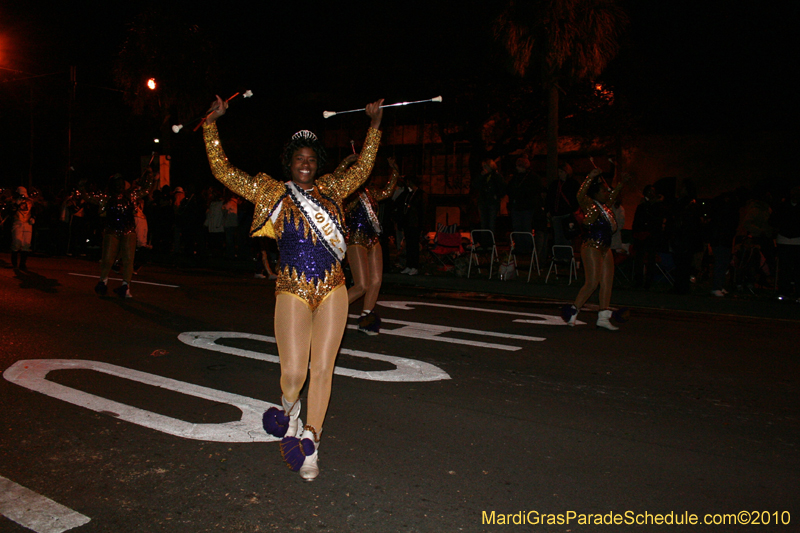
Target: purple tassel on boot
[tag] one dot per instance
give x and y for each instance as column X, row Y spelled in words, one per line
column 276, row 422
column 294, row 451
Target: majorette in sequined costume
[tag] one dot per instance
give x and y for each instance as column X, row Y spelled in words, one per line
column 364, row 249
column 307, row 268
column 306, row 218
column 599, row 224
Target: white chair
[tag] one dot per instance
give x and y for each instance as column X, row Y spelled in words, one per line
column 522, row 237
column 477, row 235
column 566, row 255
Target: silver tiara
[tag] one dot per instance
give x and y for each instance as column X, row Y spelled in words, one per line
column 304, row 134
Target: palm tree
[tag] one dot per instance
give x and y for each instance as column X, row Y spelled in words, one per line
column 569, row 40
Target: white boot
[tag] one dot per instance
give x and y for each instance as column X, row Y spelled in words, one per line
column 603, row 320
column 310, row 469
column 292, row 410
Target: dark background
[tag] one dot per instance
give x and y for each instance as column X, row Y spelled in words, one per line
column 683, row 68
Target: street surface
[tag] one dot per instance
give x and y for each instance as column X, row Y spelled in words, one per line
column 465, row 414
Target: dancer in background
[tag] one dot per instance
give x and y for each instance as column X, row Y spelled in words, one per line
column 364, row 252
column 596, row 201
column 305, row 217
column 119, row 235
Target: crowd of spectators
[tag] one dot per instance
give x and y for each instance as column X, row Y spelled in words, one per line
column 741, row 240
column 177, row 225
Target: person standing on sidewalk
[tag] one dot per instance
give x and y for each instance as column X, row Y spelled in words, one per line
column 22, row 227
column 490, row 189
column 413, row 207
column 787, row 221
column 562, row 202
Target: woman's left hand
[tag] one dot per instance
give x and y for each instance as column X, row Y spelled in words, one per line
column 375, row 113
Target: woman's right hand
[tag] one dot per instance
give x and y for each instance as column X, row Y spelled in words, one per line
column 216, row 110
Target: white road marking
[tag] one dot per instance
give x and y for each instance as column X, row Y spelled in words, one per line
column 431, row 332
column 407, row 370
column 544, row 320
column 32, row 374
column 132, row 281
column 36, row 512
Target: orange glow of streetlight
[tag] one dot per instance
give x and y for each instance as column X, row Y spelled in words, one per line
column 151, row 84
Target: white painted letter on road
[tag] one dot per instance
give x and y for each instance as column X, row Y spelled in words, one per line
column 32, row 374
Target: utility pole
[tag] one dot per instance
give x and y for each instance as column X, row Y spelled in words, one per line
column 73, row 83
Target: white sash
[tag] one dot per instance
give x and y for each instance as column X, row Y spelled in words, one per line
column 373, row 218
column 326, row 227
column 608, row 214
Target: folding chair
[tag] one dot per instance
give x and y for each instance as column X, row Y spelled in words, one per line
column 519, row 237
column 476, row 236
column 620, row 260
column 446, row 245
column 665, row 264
column 564, row 254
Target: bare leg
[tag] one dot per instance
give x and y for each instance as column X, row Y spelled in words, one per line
column 592, row 264
column 606, row 280
column 303, row 336
column 293, row 335
column 328, row 325
column 110, row 249
column 127, row 245
column 375, row 258
column 359, row 266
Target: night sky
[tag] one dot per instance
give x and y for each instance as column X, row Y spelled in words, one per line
column 684, row 67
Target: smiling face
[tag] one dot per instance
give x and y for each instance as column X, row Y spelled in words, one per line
column 303, row 167
column 603, row 195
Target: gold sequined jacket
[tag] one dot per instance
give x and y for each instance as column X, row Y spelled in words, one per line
column 307, row 270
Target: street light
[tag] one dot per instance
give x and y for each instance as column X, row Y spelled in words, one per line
column 151, row 84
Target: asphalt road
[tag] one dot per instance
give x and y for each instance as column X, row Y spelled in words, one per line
column 463, row 415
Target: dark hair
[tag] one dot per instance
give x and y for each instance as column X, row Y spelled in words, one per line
column 297, row 142
column 595, row 187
